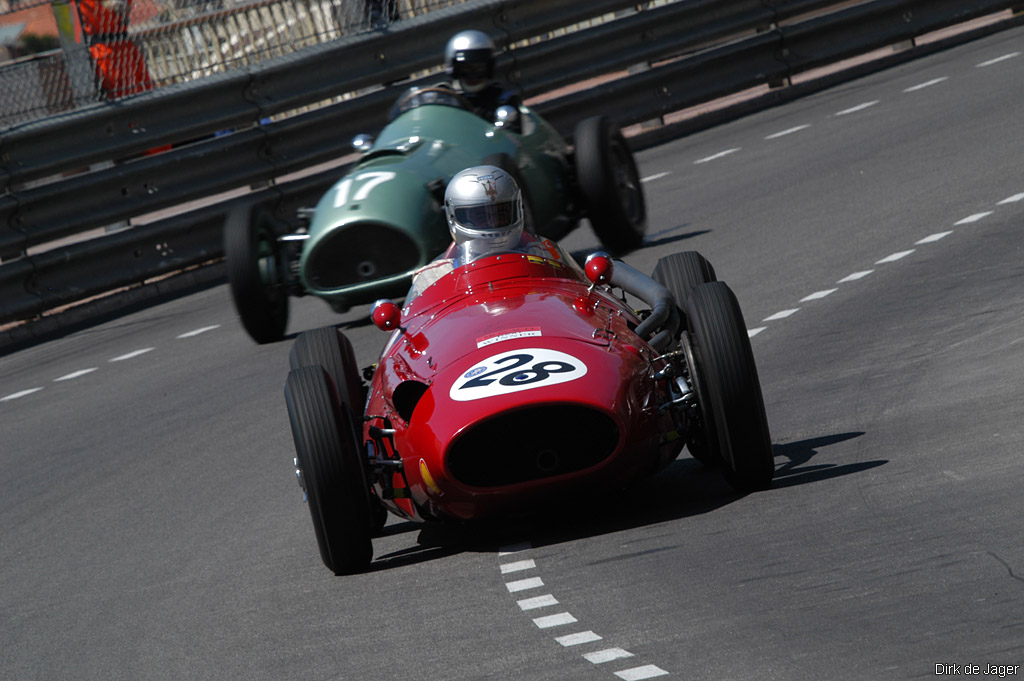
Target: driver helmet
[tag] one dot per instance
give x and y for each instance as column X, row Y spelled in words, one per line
column 469, row 57
column 484, row 210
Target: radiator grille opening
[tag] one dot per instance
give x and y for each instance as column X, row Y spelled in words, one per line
column 531, row 444
column 359, row 253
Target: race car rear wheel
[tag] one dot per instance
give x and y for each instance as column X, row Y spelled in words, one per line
column 257, row 269
column 735, row 424
column 330, row 470
column 682, row 272
column 330, row 348
column 610, row 185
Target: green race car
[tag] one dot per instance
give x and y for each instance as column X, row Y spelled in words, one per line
column 384, row 219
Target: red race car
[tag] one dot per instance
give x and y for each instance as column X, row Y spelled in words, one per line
column 518, row 378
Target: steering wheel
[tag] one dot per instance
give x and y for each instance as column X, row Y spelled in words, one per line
column 440, row 89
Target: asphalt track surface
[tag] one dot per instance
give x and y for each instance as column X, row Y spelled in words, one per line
column 152, row 528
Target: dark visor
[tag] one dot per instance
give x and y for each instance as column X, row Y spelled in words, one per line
column 489, row 216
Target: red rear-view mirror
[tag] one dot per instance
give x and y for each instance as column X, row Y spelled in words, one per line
column 599, row 267
column 386, row 315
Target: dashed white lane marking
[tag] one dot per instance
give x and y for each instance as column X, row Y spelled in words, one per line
column 753, row 332
column 130, row 355
column 921, row 86
column 577, row 639
column 932, row 238
column 561, row 619
column 648, row 671
column 787, row 132
column 518, row 566
column 607, row 655
column 14, row 396
column 990, row 62
column 524, row 584
column 781, row 315
column 854, row 277
column 819, row 294
column 1012, row 199
column 973, row 218
column 855, row 109
column 196, row 332
column 656, row 176
column 894, row 257
column 715, row 157
column 74, row 374
column 537, row 602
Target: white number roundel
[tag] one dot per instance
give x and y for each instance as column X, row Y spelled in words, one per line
column 516, row 370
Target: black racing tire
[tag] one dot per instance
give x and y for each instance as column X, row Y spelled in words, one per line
column 330, row 348
column 609, row 184
column 682, row 272
column 257, row 267
column 505, row 162
column 330, row 471
column 735, row 424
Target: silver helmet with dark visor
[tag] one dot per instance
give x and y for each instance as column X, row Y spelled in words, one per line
column 484, row 209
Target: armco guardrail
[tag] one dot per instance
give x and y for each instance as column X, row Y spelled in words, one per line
column 700, row 50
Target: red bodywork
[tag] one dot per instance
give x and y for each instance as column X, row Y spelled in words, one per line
column 567, row 401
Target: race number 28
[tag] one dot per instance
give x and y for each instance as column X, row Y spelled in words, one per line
column 514, row 371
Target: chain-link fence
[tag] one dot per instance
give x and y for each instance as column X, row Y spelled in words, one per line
column 116, row 48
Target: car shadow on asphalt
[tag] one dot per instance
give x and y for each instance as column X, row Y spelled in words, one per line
column 685, row 488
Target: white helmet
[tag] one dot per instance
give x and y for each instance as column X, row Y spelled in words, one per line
column 469, row 58
column 484, row 209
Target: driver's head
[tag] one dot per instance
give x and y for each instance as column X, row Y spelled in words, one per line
column 469, row 58
column 484, row 210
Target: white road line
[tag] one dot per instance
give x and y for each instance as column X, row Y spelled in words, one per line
column 790, row 131
column 973, row 218
column 537, row 602
column 932, row 238
column 607, row 655
column 524, row 584
column 518, row 566
column 190, row 334
column 577, row 639
column 14, row 396
column 753, row 332
column 855, row 109
column 781, row 315
column 714, row 157
column 648, row 671
column 130, row 355
column 933, row 81
column 819, row 294
column 855, row 276
column 656, row 176
column 74, row 374
column 554, row 620
column 514, row 548
column 990, row 62
column 894, row 257
column 1013, row 199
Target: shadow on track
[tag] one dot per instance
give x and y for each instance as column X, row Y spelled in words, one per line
column 685, row 488
column 798, row 472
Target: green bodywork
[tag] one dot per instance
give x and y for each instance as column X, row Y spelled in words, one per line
column 400, row 183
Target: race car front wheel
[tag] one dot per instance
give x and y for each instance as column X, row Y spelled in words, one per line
column 610, row 185
column 735, row 424
column 331, row 349
column 329, row 470
column 257, row 269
